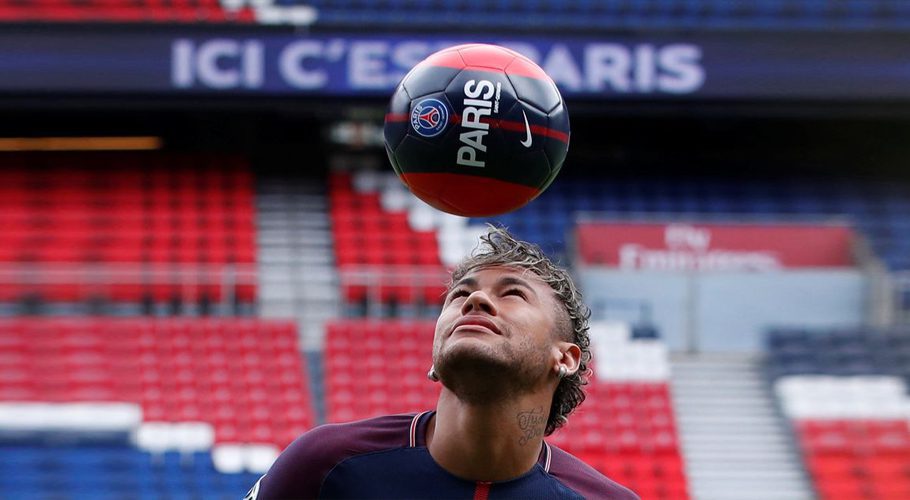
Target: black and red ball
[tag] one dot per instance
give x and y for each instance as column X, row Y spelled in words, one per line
column 477, row 130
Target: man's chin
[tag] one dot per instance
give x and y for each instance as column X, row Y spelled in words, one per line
column 474, row 373
column 470, row 354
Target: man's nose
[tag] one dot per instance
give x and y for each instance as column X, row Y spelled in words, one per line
column 478, row 301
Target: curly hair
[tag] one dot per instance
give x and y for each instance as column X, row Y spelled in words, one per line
column 498, row 247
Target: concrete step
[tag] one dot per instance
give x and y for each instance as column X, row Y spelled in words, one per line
column 759, row 441
column 763, row 493
column 780, row 478
column 720, row 398
column 725, row 427
column 743, row 461
column 731, row 433
column 730, row 413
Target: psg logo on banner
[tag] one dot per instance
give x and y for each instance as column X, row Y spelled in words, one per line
column 429, row 117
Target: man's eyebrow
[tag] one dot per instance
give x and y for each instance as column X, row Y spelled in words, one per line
column 512, row 280
column 469, row 282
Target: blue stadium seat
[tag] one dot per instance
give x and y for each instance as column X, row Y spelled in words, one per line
column 108, row 472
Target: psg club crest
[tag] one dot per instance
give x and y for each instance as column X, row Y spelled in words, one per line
column 429, row 117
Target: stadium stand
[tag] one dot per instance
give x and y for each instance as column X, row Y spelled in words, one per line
column 191, row 399
column 107, row 11
column 877, row 210
column 505, row 14
column 381, row 245
column 126, row 227
column 626, row 427
column 846, row 395
column 615, row 14
column 114, row 472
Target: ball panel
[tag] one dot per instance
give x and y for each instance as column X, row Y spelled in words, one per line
column 487, row 56
column 449, row 58
column 522, row 66
column 426, row 79
column 393, row 160
column 557, row 142
column 540, row 93
column 520, row 135
column 447, row 115
column 396, row 120
column 464, row 194
column 532, row 166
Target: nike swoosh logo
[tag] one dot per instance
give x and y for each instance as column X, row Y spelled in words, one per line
column 529, row 139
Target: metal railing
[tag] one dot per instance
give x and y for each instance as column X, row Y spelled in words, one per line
column 189, row 283
column 416, row 280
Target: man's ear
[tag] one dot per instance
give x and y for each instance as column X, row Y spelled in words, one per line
column 567, row 355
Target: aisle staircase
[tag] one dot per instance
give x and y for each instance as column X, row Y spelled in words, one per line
column 736, row 444
column 297, row 274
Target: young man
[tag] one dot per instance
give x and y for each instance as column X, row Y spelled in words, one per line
column 511, row 352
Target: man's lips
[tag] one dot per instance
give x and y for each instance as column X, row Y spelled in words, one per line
column 473, row 320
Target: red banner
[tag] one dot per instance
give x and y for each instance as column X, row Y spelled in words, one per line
column 714, row 247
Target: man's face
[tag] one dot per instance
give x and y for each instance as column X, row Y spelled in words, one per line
column 497, row 325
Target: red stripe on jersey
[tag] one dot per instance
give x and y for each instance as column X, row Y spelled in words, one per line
column 481, row 491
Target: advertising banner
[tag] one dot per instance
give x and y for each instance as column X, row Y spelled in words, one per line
column 714, row 247
column 726, row 65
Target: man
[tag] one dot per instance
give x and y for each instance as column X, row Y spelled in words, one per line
column 511, row 352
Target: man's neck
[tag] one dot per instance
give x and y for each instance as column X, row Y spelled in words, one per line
column 493, row 442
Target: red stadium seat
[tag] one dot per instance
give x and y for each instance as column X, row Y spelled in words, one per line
column 175, row 369
column 366, row 235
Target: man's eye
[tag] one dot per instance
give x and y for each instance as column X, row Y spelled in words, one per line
column 515, row 291
column 460, row 293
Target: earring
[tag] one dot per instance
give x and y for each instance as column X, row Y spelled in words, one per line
column 563, row 372
column 432, row 374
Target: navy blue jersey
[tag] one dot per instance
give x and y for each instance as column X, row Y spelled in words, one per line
column 387, row 457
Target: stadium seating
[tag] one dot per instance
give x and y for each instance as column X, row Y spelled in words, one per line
column 572, row 14
column 244, row 378
column 615, row 14
column 381, row 246
column 112, row 11
column 114, row 472
column 389, row 374
column 125, row 227
column 626, row 427
column 879, row 211
column 846, row 394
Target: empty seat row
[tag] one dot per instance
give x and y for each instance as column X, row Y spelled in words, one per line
column 194, row 212
column 245, row 377
column 112, row 472
column 852, row 428
column 140, row 11
column 379, row 256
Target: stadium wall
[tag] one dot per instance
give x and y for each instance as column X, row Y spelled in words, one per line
column 729, row 311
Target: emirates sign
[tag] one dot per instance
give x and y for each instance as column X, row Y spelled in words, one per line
column 714, row 247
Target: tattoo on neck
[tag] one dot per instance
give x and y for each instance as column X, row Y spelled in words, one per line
column 531, row 423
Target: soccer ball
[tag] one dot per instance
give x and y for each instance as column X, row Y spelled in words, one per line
column 477, row 130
